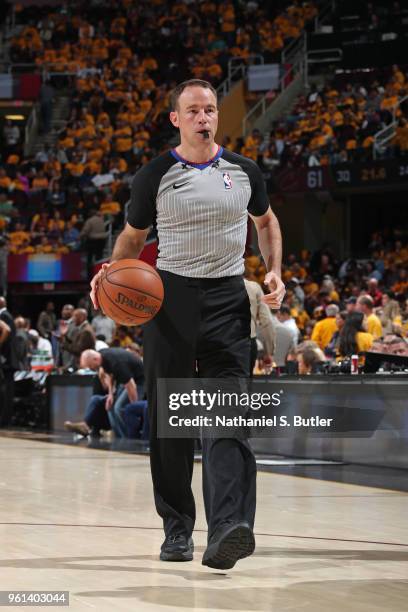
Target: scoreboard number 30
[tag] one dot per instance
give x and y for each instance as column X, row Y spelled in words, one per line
column 343, row 176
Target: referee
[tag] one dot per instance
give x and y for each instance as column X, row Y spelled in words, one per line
column 199, row 197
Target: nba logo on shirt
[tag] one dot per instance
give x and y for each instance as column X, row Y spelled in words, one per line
column 227, row 180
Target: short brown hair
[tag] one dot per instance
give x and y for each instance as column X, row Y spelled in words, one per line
column 311, row 356
column 366, row 300
column 178, row 90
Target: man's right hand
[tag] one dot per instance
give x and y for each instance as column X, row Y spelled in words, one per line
column 94, row 285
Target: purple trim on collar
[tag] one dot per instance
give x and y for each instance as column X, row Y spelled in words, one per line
column 193, row 164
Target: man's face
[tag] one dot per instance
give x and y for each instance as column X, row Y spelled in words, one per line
column 67, row 312
column 78, row 317
column 196, row 111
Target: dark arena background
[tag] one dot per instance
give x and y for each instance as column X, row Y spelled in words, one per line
column 316, row 94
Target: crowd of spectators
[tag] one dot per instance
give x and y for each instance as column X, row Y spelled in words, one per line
column 344, row 308
column 336, row 124
column 325, row 299
column 62, row 344
column 120, row 61
column 331, row 311
column 85, row 35
column 65, row 338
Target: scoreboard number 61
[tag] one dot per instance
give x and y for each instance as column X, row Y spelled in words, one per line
column 314, row 179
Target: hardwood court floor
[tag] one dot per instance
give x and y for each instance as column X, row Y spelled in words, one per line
column 83, row 521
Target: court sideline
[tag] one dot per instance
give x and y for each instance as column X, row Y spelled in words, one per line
column 83, row 520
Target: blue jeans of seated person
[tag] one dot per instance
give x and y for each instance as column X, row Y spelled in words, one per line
column 133, row 414
column 96, row 416
column 115, row 414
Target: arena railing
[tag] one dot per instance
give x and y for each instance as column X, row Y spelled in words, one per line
column 297, row 45
column 293, row 60
column 327, row 10
column 11, row 66
column 387, row 133
column 294, row 68
column 109, row 239
column 237, row 69
column 321, row 56
column 43, row 69
column 288, row 55
column 293, row 49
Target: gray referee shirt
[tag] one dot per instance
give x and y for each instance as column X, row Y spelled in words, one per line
column 200, row 211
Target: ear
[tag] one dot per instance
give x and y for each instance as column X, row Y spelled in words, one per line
column 174, row 118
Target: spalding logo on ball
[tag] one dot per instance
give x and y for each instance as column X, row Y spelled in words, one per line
column 130, row 292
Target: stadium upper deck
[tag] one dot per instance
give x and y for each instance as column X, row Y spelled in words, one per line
column 121, row 60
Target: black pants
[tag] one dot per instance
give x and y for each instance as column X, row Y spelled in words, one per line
column 203, row 328
column 6, row 396
column 253, row 356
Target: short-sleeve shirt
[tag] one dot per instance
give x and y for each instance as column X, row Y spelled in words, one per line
column 123, row 365
column 374, row 326
column 200, row 211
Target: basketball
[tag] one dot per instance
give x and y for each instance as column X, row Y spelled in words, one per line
column 130, row 292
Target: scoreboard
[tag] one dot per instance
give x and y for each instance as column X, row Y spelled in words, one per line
column 344, row 176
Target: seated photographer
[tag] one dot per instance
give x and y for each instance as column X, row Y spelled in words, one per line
column 96, row 419
column 122, row 378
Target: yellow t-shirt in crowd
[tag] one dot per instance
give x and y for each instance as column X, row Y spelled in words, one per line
column 374, row 326
column 364, row 341
column 323, row 331
column 110, row 208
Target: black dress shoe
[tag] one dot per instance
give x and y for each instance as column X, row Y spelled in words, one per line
column 177, row 548
column 232, row 540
